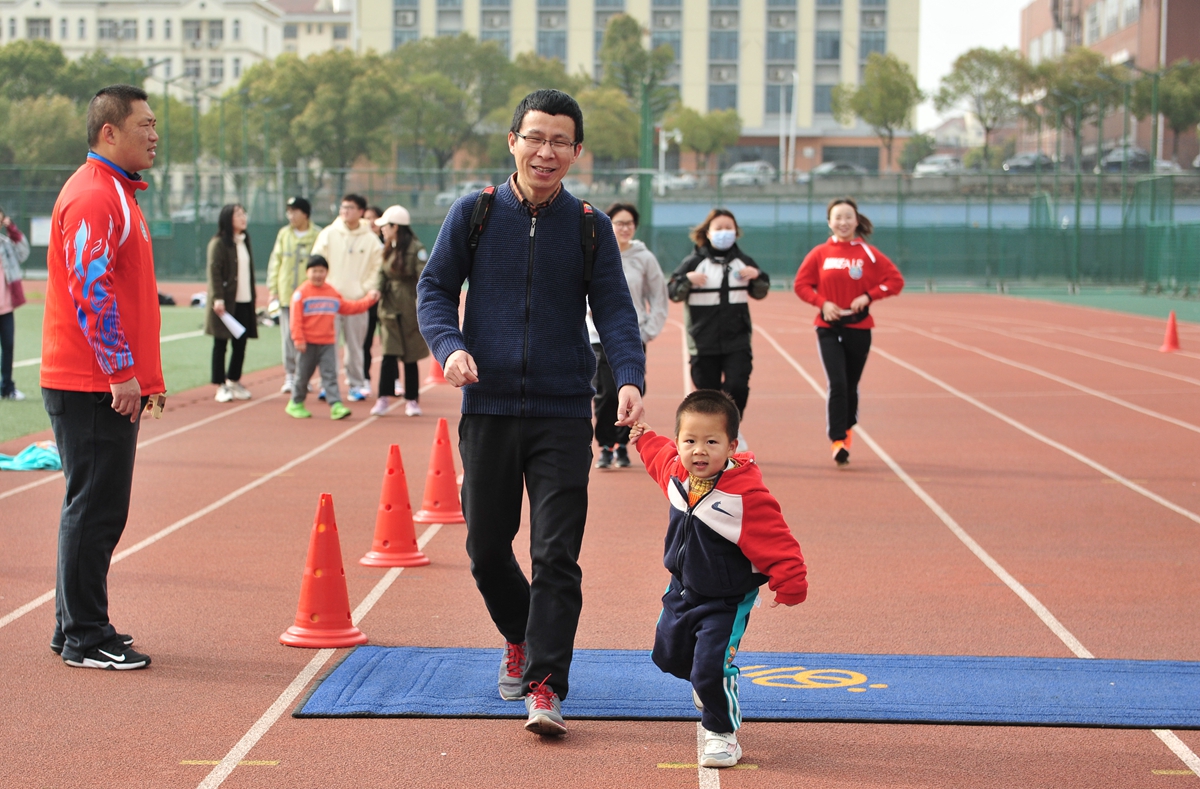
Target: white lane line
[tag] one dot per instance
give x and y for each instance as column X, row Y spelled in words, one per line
column 1177, row 746
column 688, row 386
column 1053, row 377
column 1066, row 450
column 146, row 443
column 710, row 777
column 288, row 697
column 187, row 335
column 221, row 502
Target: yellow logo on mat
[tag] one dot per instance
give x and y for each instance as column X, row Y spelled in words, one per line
column 809, row 679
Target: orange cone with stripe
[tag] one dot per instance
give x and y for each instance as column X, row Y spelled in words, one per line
column 1171, row 341
column 436, row 376
column 441, row 503
column 323, row 616
column 395, row 543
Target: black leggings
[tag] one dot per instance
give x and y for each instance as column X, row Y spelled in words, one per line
column 736, row 367
column 244, row 312
column 389, row 371
column 372, row 322
column 7, row 334
column 844, row 354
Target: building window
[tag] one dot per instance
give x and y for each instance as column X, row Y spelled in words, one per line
column 129, row 29
column 781, row 3
column 290, row 31
column 216, row 70
column 781, row 45
column 406, row 22
column 722, row 97
column 341, row 32
column 216, row 30
column 191, row 68
column 873, row 3
column 237, row 68
column 167, row 29
column 872, row 41
column 82, row 29
column 191, row 30
column 237, row 30
column 12, row 28
column 449, row 17
column 402, row 37
column 62, row 29
column 149, row 29
column 1092, row 30
column 37, row 28
column 1132, row 10
column 667, row 3
column 723, row 45
column 552, row 44
column 823, row 99
column 779, row 99
column 673, row 39
column 829, row 45
column 166, row 64
column 501, row 37
column 108, row 29
column 552, row 29
column 829, row 3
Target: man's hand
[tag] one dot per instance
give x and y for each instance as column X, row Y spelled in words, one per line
column 629, row 406
column 127, row 398
column 219, row 306
column 460, row 369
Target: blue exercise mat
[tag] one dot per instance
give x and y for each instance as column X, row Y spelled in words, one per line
column 616, row 684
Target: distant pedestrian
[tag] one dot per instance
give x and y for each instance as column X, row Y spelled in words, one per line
column 285, row 272
column 648, row 289
column 716, row 283
column 404, row 259
column 315, row 304
column 842, row 277
column 14, row 250
column 370, row 216
column 354, row 254
column 230, row 291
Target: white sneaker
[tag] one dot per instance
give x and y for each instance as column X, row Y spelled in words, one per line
column 380, row 407
column 288, row 383
column 412, row 408
column 239, row 392
column 224, row 393
column 16, row 394
column 720, row 750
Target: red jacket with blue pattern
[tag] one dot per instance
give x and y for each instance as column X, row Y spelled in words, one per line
column 734, row 539
column 102, row 318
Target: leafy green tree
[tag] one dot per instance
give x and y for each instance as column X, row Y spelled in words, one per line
column 705, row 135
column 612, row 125
column 44, row 130
column 30, row 68
column 917, row 148
column 531, row 72
column 178, row 124
column 988, row 83
column 432, row 119
column 80, row 79
column 983, row 158
column 1077, row 83
column 274, row 93
column 885, row 101
column 628, row 66
column 1178, row 99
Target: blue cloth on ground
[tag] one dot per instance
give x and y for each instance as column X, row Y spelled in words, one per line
column 42, row 456
column 617, row 684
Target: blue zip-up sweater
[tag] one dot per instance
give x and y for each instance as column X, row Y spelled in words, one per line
column 526, row 304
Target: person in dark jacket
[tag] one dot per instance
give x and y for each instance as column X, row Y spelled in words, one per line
column 524, row 362
column 230, row 291
column 404, row 258
column 717, row 282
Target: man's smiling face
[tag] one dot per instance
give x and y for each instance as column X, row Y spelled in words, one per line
column 541, row 169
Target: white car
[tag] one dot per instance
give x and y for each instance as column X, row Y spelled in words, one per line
column 667, row 181
column 1167, row 166
column 749, row 174
column 938, row 164
column 448, row 197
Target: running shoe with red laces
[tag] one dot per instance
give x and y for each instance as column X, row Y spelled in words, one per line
column 512, row 672
column 545, row 710
column 841, row 454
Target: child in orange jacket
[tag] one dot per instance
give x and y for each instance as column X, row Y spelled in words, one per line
column 314, row 304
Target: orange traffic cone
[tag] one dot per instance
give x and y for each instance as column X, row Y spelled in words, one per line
column 441, row 503
column 323, row 616
column 435, row 374
column 395, row 543
column 1171, row 341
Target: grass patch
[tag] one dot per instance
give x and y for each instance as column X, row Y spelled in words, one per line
column 186, row 363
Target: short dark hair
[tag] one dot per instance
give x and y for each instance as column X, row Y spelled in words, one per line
column 551, row 102
column 225, row 222
column 300, row 204
column 616, row 208
column 699, row 233
column 358, row 200
column 111, row 105
column 317, row 261
column 713, row 402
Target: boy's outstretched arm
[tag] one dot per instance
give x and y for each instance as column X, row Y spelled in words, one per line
column 636, row 430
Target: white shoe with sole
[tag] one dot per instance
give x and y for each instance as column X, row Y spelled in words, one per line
column 412, row 408
column 238, row 391
column 224, row 394
column 720, row 750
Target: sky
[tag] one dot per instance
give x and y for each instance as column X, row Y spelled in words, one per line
column 951, row 27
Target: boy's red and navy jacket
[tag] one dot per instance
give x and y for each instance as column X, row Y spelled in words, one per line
column 734, row 539
column 102, row 318
column 841, row 271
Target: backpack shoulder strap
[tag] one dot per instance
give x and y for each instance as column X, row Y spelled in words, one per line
column 587, row 234
column 479, row 217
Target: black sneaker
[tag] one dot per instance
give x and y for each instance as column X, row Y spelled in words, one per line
column 57, row 641
column 112, row 655
column 621, row 457
column 605, row 459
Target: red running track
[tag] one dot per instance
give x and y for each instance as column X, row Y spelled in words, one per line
column 1039, row 498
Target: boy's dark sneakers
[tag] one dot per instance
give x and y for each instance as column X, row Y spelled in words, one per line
column 621, row 457
column 113, row 655
column 605, row 459
column 57, row 641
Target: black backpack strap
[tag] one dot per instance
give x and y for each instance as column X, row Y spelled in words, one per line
column 479, row 217
column 587, row 233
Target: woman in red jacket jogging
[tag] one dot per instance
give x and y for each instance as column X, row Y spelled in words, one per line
column 842, row 277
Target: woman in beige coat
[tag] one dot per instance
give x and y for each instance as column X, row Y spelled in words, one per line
column 230, row 291
column 404, row 257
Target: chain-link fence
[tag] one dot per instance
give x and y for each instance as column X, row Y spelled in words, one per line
column 978, row 228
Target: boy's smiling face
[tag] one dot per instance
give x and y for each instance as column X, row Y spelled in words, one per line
column 704, row 444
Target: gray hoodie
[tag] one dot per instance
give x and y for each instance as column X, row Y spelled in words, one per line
column 647, row 288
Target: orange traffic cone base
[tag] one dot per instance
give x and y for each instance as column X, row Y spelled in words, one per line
column 296, row 636
column 382, row 559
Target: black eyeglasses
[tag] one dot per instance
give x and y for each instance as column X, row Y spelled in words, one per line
column 535, row 143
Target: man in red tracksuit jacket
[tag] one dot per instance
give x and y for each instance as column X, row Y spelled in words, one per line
column 100, row 363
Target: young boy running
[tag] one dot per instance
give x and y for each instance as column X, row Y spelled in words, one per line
column 726, row 537
column 314, row 305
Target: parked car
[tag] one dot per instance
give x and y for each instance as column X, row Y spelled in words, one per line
column 938, row 164
column 1139, row 160
column 668, row 181
column 832, row 170
column 209, row 212
column 1028, row 163
column 749, row 174
column 449, row 196
column 1167, row 167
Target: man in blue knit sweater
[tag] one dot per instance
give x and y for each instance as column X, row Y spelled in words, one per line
column 525, row 364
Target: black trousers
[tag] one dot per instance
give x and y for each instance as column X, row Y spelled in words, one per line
column 7, row 335
column 389, row 371
column 844, row 354
column 550, row 458
column 372, row 322
column 729, row 372
column 244, row 312
column 97, row 446
column 604, row 404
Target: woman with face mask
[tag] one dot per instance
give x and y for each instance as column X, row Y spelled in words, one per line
column 842, row 278
column 716, row 283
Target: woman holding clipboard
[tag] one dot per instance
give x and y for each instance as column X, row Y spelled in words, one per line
column 230, row 295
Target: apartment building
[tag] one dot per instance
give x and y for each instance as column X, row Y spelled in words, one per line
column 314, row 26
column 754, row 56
